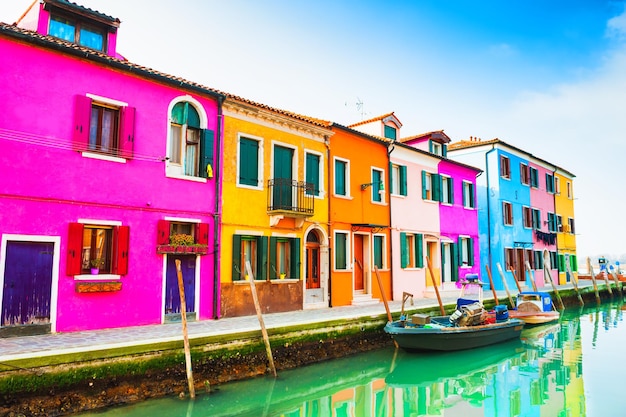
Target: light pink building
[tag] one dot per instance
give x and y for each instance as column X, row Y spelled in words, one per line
column 102, row 162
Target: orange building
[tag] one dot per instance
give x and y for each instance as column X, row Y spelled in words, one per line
column 359, row 217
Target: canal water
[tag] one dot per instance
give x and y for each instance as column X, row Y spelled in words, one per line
column 568, row 369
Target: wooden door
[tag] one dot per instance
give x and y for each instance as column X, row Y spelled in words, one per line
column 27, row 283
column 312, row 259
column 359, row 270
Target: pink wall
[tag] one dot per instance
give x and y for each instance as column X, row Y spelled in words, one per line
column 44, row 185
column 544, row 201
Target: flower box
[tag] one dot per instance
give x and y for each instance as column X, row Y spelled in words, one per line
column 181, row 249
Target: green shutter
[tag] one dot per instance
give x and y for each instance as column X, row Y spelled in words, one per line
column 237, row 267
column 313, row 173
column 340, row 178
column 340, row 251
column 403, row 180
column 436, row 180
column 561, row 262
column 376, row 183
column 206, row 153
column 178, row 113
column 273, row 268
column 451, row 190
column 424, row 194
column 294, row 245
column 470, row 252
column 430, row 146
column 471, row 193
column 404, row 253
column 419, row 251
column 444, row 150
column 261, row 258
column 378, row 251
column 573, row 263
column 248, row 162
column 454, row 248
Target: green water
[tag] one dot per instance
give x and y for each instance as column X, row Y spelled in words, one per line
column 573, row 368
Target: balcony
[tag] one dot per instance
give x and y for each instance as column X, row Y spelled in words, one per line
column 289, row 198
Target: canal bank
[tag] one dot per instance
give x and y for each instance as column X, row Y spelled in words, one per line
column 62, row 374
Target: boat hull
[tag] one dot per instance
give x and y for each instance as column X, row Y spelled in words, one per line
column 442, row 337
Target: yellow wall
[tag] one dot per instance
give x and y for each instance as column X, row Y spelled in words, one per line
column 564, row 207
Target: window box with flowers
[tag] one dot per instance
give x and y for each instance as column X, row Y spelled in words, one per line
column 182, row 243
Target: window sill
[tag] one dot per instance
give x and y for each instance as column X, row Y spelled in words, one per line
column 103, row 157
column 185, row 177
column 99, row 277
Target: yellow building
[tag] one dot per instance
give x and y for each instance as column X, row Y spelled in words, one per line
column 566, row 234
column 274, row 209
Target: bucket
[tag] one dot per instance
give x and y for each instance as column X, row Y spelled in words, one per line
column 502, row 313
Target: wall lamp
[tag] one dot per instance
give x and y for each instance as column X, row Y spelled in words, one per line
column 381, row 186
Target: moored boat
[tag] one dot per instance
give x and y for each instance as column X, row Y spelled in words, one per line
column 535, row 307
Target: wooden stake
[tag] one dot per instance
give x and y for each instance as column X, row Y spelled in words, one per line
column 546, row 270
column 519, row 287
column 493, row 289
column 616, row 280
column 382, row 293
column 593, row 279
column 506, row 286
column 574, row 283
column 531, row 277
column 432, row 278
column 257, row 307
column 605, row 275
column 183, row 316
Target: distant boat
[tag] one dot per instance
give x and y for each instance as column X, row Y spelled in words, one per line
column 470, row 326
column 535, row 307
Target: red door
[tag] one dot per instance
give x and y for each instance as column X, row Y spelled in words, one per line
column 358, row 263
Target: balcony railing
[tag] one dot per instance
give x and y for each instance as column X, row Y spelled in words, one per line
column 292, row 196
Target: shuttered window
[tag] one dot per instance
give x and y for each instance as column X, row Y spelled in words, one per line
column 313, row 174
column 248, row 162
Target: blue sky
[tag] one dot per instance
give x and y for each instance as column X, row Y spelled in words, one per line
column 545, row 76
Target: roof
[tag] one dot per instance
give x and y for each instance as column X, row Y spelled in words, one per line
column 376, row 119
column 435, row 134
column 102, row 58
column 75, row 8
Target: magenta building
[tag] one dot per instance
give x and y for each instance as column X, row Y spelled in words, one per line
column 110, row 175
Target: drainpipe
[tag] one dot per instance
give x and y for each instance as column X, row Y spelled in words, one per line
column 391, row 269
column 489, row 256
column 330, row 256
column 217, row 218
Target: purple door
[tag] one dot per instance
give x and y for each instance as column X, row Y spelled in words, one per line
column 172, row 297
column 27, row 283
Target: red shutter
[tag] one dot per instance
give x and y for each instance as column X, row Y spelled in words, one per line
column 121, row 236
column 202, row 233
column 74, row 249
column 163, row 232
column 127, row 132
column 82, row 116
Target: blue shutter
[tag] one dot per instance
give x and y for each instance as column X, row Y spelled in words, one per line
column 340, row 178
column 403, row 184
column 419, row 250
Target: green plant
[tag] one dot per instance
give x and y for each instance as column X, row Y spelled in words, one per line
column 96, row 262
column 181, row 239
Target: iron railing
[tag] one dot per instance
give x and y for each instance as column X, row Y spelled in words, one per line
column 284, row 194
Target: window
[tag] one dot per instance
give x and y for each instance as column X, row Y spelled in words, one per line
column 379, row 251
column 466, row 253
column 104, row 242
column 251, row 249
column 553, row 260
column 549, row 183
column 527, row 217
column 390, row 132
column 436, row 148
column 341, row 251
column 342, row 178
column 313, row 174
column 378, row 186
column 528, row 255
column 534, row 177
column 559, row 223
column 524, row 174
column 447, row 190
column 570, row 224
column 104, row 126
column 505, row 167
column 509, row 257
column 537, row 260
column 507, row 213
column 166, row 229
column 431, row 186
column 552, row 222
column 77, row 32
column 569, row 190
column 536, row 219
column 398, row 180
column 468, row 195
column 191, row 148
column 248, row 170
column 411, row 250
column 557, row 185
column 284, row 257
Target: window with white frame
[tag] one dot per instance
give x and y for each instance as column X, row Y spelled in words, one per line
column 341, row 251
column 524, row 173
column 398, row 184
column 447, row 190
column 505, row 167
column 378, row 185
column 534, row 177
column 379, row 251
column 507, row 213
column 527, row 217
column 411, row 250
column 536, row 219
column 313, row 169
column 248, row 162
column 342, row 177
column 190, row 146
column 466, row 250
column 431, row 186
column 468, row 195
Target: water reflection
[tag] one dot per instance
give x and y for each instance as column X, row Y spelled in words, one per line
column 539, row 375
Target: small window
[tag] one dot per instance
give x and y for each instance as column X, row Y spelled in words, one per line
column 398, row 180
column 557, row 185
column 505, row 167
column 411, row 250
column 77, row 32
column 341, row 251
column 96, row 245
column 570, row 223
column 559, row 223
column 507, row 213
column 527, row 217
column 248, row 169
column 390, row 132
column 509, row 256
column 524, row 174
column 341, row 177
column 436, row 148
column 313, row 174
column 537, row 260
column 251, row 249
column 447, row 190
column 191, row 147
column 552, row 225
column 569, row 190
column 549, row 183
column 379, row 251
column 431, row 186
column 284, row 258
column 468, row 195
column 536, row 219
column 534, row 177
column 378, row 186
column 466, row 253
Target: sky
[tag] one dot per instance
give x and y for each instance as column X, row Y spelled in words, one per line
column 548, row 77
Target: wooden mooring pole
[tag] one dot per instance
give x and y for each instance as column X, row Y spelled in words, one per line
column 519, row 287
column 531, row 277
column 616, row 280
column 432, row 278
column 547, row 272
column 506, row 286
column 382, row 293
column 183, row 317
column 493, row 289
column 593, row 279
column 574, row 283
column 257, row 307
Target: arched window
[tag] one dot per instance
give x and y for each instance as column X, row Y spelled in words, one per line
column 191, row 147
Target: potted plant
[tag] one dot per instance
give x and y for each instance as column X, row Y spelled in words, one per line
column 96, row 263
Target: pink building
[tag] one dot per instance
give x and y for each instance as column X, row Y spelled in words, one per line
column 105, row 164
